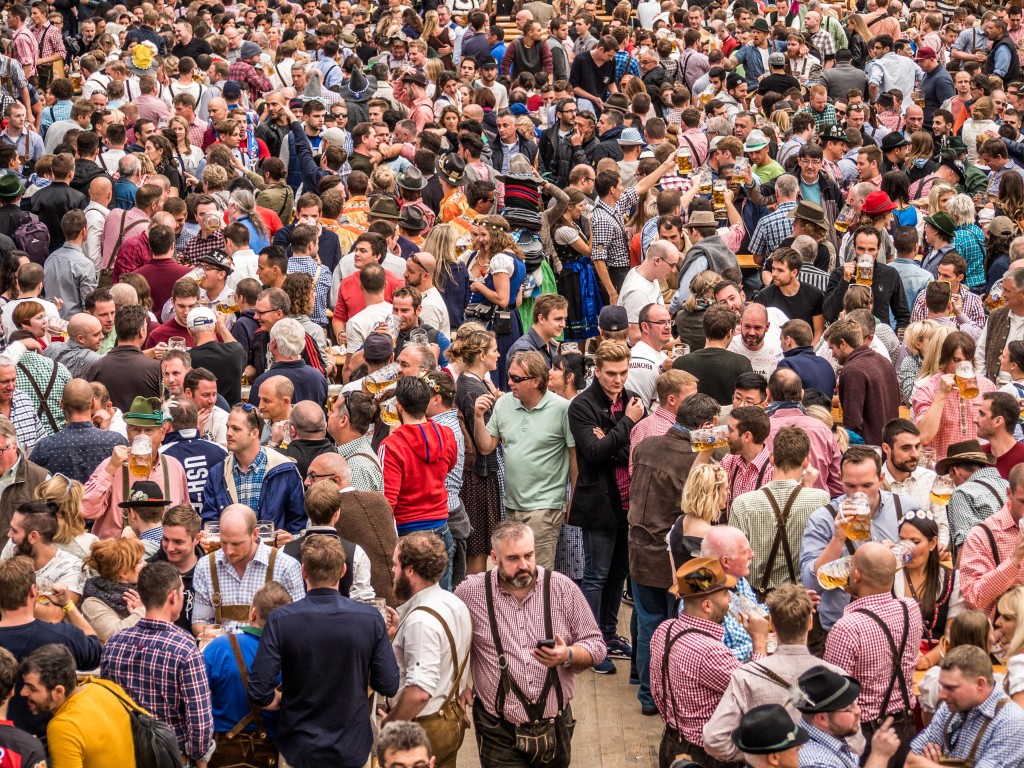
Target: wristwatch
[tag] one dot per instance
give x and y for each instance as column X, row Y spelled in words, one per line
column 568, row 662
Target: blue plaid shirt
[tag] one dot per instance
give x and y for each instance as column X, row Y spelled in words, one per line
column 825, row 751
column 625, row 64
column 59, row 111
column 249, row 484
column 736, row 638
column 1001, row 744
column 321, row 286
column 969, row 242
column 772, row 230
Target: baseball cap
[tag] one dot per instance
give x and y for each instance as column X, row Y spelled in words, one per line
column 200, row 318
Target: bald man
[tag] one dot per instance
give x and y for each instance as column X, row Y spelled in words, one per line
column 235, row 571
column 273, row 397
column 81, row 350
column 79, row 447
column 419, row 274
column 308, row 432
column 877, row 642
column 731, row 548
column 753, row 342
column 101, row 192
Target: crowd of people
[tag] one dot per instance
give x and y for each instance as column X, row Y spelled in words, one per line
column 372, row 370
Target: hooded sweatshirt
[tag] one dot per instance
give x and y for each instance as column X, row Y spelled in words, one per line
column 415, row 459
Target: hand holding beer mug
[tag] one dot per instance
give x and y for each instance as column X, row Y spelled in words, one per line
column 865, row 269
column 855, row 517
column 710, row 438
column 966, row 380
column 835, row 574
column 846, row 219
column 995, row 298
column 140, row 459
column 942, row 489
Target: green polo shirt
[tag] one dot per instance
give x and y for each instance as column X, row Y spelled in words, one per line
column 536, row 445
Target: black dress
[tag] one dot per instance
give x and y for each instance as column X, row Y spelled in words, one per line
column 481, row 494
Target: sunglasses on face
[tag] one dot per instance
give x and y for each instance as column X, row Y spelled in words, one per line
column 519, row 379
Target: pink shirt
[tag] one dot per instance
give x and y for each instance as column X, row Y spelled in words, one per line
column 103, row 492
column 825, row 455
column 655, row 425
column 959, row 417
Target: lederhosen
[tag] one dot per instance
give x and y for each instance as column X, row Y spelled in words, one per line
column 781, row 540
column 239, row 748
column 125, row 489
column 544, row 742
column 233, row 612
column 902, row 719
column 673, row 743
column 968, row 762
column 446, row 728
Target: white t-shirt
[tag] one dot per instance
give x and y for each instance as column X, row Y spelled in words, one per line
column 361, row 325
column 243, row 265
column 7, row 313
column 763, row 361
column 644, row 368
column 434, row 311
column 637, row 292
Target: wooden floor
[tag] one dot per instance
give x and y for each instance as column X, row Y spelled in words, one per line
column 610, row 731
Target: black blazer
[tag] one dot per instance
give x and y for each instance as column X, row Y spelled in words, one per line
column 596, row 502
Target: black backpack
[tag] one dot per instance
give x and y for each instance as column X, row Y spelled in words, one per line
column 154, row 741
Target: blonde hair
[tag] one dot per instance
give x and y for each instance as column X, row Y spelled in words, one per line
column 933, row 352
column 433, row 67
column 67, row 495
column 700, row 494
column 934, row 195
column 702, row 284
column 382, row 179
column 470, row 344
column 917, row 333
column 440, row 243
column 983, row 109
column 780, row 119
column 111, row 558
column 610, row 352
column 1012, row 604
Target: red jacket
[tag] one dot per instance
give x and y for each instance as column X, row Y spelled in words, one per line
column 415, row 459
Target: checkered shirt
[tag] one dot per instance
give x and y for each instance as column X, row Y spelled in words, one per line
column 184, row 239
column 245, row 74
column 239, row 590
column 699, row 670
column 621, row 473
column 826, row 46
column 366, row 473
column 752, row 513
column 972, row 502
column 744, row 477
column 199, row 246
column 772, row 230
column 986, row 575
column 13, row 71
column 453, row 480
column 39, row 369
column 196, row 132
column 825, row 751
column 969, row 242
column 827, row 116
column 26, row 49
column 52, row 41
column 974, row 310
column 736, row 638
column 321, row 289
column 856, row 644
column 609, row 236
column 61, row 110
column 26, row 421
column 134, row 254
column 655, row 425
column 160, row 665
column 959, row 417
column 625, row 64
column 249, row 484
column 956, row 732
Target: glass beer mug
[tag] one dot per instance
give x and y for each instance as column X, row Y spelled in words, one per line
column 995, row 298
column 966, row 380
column 718, row 199
column 845, row 219
column 140, row 458
column 381, row 379
column 705, row 185
column 855, row 517
column 211, row 536
column 835, row 574
column 865, row 270
column 684, row 163
column 709, row 439
column 941, row 490
column 740, row 170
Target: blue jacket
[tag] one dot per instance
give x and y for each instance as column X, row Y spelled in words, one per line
column 815, row 372
column 309, row 383
column 753, row 65
column 329, row 244
column 281, row 498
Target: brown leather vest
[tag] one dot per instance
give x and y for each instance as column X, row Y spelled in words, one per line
column 998, row 331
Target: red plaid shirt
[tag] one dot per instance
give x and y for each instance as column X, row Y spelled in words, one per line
column 196, row 132
column 699, row 671
column 856, row 643
column 245, row 74
column 621, row 473
column 134, row 253
column 982, row 579
column 744, row 477
column 199, row 246
column 52, row 42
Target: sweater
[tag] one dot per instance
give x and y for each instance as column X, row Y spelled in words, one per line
column 868, row 379
column 815, row 372
column 281, row 498
column 415, row 459
column 197, row 456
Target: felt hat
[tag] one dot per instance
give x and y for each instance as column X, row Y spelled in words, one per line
column 416, row 78
column 762, row 26
column 811, row 212
column 943, row 222
column 452, row 169
column 488, row 62
column 411, row 179
column 948, row 158
column 701, row 577
column 767, row 730
column 411, row 219
column 967, row 452
column 823, row 690
column 384, row 207
column 702, row 219
column 877, row 203
column 756, row 140
column 144, row 493
column 835, row 133
column 11, row 186
column 893, row 141
column 145, row 412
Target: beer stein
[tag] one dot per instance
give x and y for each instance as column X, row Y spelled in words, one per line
column 928, row 458
column 846, row 219
column 381, row 379
column 684, row 166
column 389, row 412
column 865, row 270
column 268, row 534
column 709, row 439
column 705, row 185
column 995, row 299
column 855, row 517
column 941, row 490
column 140, row 457
column 835, row 574
column 966, row 380
column 678, row 350
column 741, row 605
column 211, row 536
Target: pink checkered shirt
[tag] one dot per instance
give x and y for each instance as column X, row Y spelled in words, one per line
column 744, row 477
column 521, row 625
column 959, row 417
column 26, row 50
column 51, row 39
column 983, row 579
column 655, row 425
column 196, row 132
column 856, row 643
column 621, row 473
column 699, row 671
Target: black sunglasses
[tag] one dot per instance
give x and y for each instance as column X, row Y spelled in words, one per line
column 519, row 379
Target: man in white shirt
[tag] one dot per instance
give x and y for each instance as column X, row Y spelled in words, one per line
column 101, row 191
column 432, row 633
column 902, row 470
column 419, row 274
column 647, row 359
column 378, row 309
column 641, row 285
column 33, row 526
column 751, row 342
column 244, row 260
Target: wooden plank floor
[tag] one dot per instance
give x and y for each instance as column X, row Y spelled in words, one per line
column 610, row 731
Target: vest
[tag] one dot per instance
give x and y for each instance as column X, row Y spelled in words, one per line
column 998, row 332
column 1013, row 73
column 527, row 59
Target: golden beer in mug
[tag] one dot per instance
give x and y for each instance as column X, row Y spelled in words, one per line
column 228, row 307
column 705, row 185
column 966, row 380
column 832, row 582
column 709, row 439
column 740, row 169
column 140, row 458
column 865, row 271
column 855, row 516
column 718, row 199
column 942, row 490
column 684, row 166
column 835, row 574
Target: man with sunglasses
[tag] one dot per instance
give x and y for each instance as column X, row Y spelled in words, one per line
column 558, row 155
